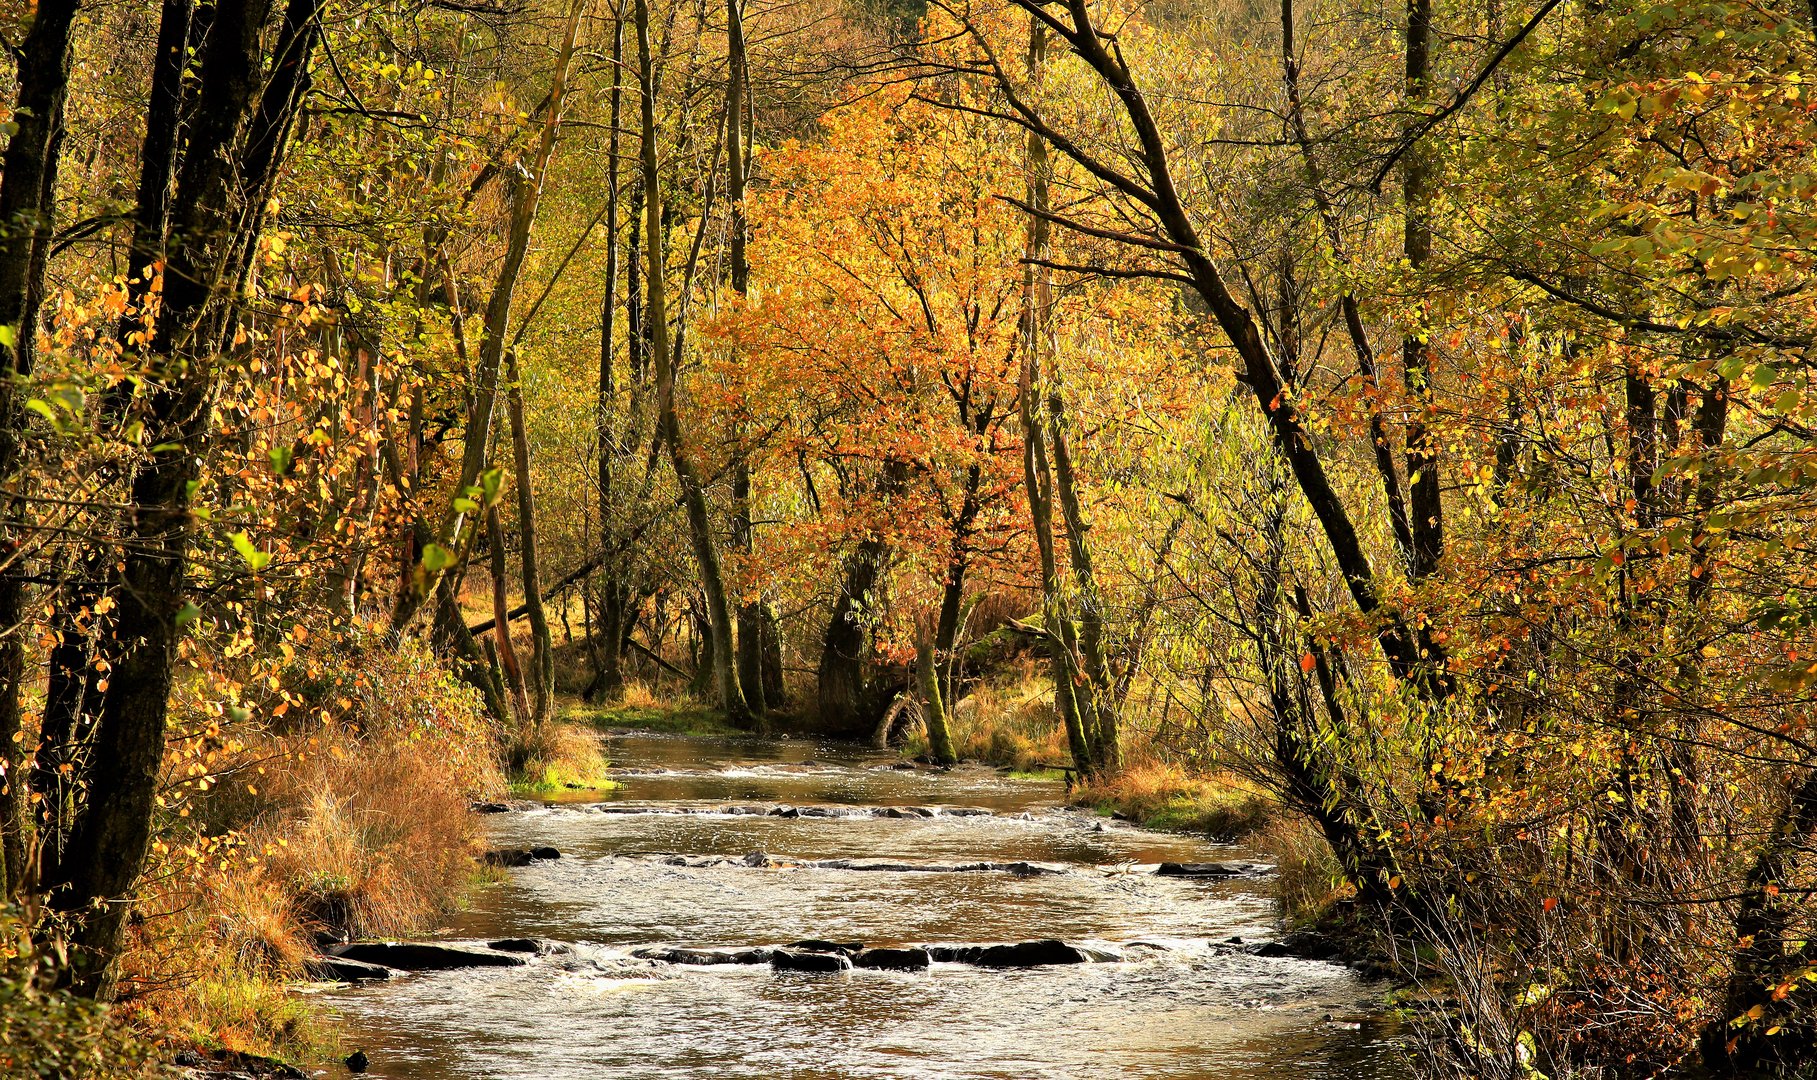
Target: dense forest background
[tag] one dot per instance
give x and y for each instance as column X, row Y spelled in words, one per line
column 1398, row 413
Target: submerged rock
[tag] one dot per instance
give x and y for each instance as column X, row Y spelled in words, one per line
column 1213, row 869
column 893, row 959
column 425, row 956
column 511, row 806
column 820, row 963
column 537, row 946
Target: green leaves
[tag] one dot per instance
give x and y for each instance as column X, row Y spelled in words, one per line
column 437, row 558
column 281, row 458
column 256, row 559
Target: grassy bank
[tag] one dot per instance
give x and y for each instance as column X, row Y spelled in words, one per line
column 639, row 709
column 1009, row 721
column 560, row 756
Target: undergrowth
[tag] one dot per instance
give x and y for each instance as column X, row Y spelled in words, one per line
column 345, row 818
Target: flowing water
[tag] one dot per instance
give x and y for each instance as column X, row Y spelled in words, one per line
column 1185, row 1001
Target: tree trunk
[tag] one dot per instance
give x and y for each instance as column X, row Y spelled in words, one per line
column 1780, row 1036
column 608, row 678
column 108, row 844
column 1036, row 473
column 933, row 707
column 1426, row 507
column 840, row 683
column 700, row 526
column 28, row 188
column 753, row 615
column 542, row 646
column 506, row 649
column 1095, row 695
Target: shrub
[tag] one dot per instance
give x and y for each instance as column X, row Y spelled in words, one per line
column 48, row 1034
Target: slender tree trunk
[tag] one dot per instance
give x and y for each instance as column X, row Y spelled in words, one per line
column 542, row 646
column 1095, row 694
column 1037, row 476
column 754, row 614
column 609, row 677
column 28, row 188
column 510, row 665
column 700, row 526
column 933, row 707
column 1426, row 509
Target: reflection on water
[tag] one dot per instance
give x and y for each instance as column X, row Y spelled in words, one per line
column 1197, row 1007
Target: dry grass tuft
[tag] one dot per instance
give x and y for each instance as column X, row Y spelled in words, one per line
column 555, row 756
column 1010, row 724
column 1169, row 796
column 1307, row 879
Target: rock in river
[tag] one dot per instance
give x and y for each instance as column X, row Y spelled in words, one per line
column 1021, row 955
column 512, row 857
column 1212, row 869
column 825, row 963
column 425, row 956
column 1030, row 954
column 702, row 957
column 893, row 959
column 1303, row 945
column 341, row 969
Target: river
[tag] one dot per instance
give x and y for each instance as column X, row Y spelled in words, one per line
column 660, row 861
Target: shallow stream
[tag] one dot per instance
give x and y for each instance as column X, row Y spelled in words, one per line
column 1185, row 1001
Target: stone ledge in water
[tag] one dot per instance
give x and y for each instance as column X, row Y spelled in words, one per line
column 534, row 946
column 819, row 963
column 342, row 969
column 424, row 956
column 507, row 807
column 515, row 857
column 893, row 959
column 702, row 957
column 1024, row 954
column 1213, row 869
